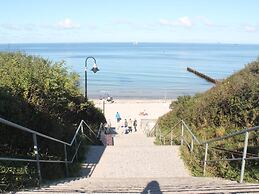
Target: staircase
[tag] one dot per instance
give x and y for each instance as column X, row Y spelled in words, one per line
column 135, row 156
column 135, row 165
column 149, row 185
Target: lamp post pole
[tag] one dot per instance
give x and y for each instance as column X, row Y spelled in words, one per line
column 94, row 69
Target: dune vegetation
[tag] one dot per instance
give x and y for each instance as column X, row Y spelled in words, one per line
column 43, row 96
column 229, row 106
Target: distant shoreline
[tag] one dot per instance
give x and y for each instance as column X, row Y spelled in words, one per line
column 135, row 100
column 205, row 43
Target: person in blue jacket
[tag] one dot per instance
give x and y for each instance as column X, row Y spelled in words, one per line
column 118, row 117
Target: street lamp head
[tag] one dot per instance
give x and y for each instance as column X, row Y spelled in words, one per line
column 95, row 68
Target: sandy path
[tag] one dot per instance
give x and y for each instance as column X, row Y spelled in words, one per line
column 132, row 109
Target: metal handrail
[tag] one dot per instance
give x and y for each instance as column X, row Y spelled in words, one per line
column 206, row 143
column 190, row 131
column 78, row 128
column 232, row 151
column 89, row 128
column 11, row 124
column 148, row 131
column 172, row 128
column 151, row 131
column 232, row 135
column 35, row 134
column 99, row 130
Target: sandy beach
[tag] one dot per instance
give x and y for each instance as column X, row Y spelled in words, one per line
column 134, row 109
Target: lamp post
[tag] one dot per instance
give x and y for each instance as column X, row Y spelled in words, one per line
column 94, row 69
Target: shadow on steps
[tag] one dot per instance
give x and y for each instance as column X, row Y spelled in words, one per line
column 152, row 187
column 93, row 157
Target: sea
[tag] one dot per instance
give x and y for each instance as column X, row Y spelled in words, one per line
column 145, row 70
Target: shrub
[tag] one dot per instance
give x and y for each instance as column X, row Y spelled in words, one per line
column 231, row 105
column 44, row 96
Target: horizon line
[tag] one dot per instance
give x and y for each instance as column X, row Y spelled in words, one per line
column 131, row 42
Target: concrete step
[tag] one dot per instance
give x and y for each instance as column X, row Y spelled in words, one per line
column 133, row 139
column 140, row 161
column 149, row 185
column 135, row 155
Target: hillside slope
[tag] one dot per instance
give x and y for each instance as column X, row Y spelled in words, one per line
column 229, row 106
column 44, row 96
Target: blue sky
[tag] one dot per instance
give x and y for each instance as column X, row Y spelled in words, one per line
column 205, row 21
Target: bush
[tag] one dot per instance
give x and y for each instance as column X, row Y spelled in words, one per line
column 43, row 96
column 231, row 105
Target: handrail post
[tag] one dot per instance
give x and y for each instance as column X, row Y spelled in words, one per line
column 205, row 158
column 171, row 138
column 65, row 155
column 76, row 149
column 36, row 152
column 182, row 134
column 88, row 132
column 103, row 107
column 164, row 140
column 244, row 157
column 160, row 134
column 192, row 144
column 82, row 128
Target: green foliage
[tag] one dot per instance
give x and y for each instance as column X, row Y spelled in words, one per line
column 231, row 105
column 43, row 96
column 17, row 176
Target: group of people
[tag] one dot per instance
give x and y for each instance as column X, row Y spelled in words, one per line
column 128, row 124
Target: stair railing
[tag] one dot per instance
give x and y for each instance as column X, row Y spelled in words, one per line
column 196, row 142
column 101, row 128
column 145, row 126
column 35, row 134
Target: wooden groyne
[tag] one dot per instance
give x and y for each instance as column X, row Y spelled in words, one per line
column 209, row 79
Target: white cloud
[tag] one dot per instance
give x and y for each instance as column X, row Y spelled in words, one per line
column 205, row 21
column 122, row 22
column 92, row 26
column 208, row 23
column 182, row 21
column 135, row 25
column 18, row 27
column 167, row 22
column 250, row 28
column 67, row 23
column 10, row 27
column 185, row 21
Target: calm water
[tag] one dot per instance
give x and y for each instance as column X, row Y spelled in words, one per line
column 146, row 70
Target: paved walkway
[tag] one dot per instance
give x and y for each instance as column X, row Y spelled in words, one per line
column 135, row 155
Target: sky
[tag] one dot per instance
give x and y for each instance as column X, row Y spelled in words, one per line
column 198, row 21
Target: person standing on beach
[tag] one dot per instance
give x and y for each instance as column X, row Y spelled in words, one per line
column 135, row 125
column 118, row 117
column 130, row 125
column 126, row 126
